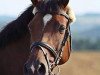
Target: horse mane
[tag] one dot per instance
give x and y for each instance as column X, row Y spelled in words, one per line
column 71, row 13
column 16, row 29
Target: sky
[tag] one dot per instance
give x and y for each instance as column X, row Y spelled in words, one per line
column 16, row 7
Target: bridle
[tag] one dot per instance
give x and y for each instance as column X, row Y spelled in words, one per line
column 57, row 55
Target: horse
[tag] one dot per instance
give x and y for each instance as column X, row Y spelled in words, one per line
column 17, row 36
column 50, row 37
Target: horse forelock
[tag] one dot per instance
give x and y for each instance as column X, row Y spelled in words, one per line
column 48, row 6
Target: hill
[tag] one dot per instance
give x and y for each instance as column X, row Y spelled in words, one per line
column 86, row 26
column 93, row 33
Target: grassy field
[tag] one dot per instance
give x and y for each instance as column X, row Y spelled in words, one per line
column 82, row 63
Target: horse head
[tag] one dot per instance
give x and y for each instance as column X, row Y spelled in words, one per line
column 50, row 36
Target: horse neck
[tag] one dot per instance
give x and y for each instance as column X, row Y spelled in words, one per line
column 16, row 55
column 22, row 45
column 16, row 29
column 15, row 44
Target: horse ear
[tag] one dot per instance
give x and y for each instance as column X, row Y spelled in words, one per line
column 35, row 2
column 63, row 2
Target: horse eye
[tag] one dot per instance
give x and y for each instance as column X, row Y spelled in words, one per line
column 61, row 29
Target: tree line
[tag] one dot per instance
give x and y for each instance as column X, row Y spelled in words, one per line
column 86, row 44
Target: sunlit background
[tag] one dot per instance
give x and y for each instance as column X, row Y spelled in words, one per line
column 85, row 59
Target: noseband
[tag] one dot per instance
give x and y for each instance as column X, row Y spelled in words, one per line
column 57, row 55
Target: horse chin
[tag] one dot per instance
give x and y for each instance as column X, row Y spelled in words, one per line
column 36, row 64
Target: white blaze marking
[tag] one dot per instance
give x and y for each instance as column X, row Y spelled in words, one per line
column 47, row 18
column 32, row 68
column 35, row 10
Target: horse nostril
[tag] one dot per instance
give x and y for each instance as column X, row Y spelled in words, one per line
column 41, row 69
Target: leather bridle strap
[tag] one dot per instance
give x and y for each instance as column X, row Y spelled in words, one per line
column 44, row 45
column 67, row 33
column 59, row 55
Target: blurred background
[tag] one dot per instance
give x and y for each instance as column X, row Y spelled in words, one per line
column 85, row 56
